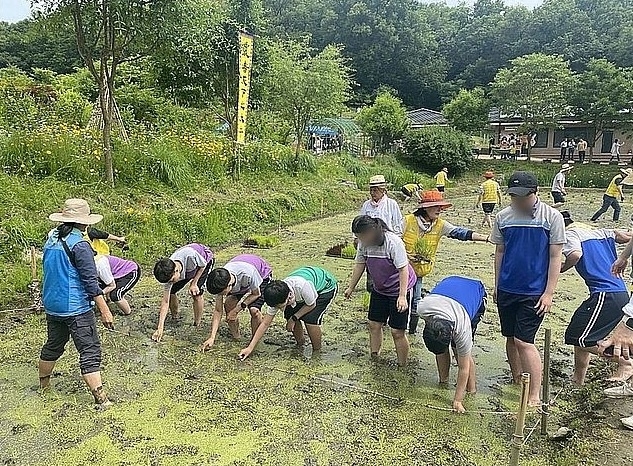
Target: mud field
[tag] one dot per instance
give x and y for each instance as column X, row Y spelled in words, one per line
column 283, row 406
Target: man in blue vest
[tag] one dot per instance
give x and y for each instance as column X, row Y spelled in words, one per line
column 451, row 312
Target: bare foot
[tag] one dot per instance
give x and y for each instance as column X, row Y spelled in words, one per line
column 624, row 372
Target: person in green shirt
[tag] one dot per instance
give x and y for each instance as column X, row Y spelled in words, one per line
column 303, row 296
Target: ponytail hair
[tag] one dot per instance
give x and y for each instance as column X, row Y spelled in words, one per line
column 65, row 229
column 364, row 223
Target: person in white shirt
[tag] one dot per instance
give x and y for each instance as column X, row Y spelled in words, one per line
column 382, row 206
column 558, row 186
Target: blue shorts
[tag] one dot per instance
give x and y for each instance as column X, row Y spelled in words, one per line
column 518, row 317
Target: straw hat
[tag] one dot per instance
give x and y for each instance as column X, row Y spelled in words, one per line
column 566, row 167
column 628, row 176
column 377, row 181
column 489, row 175
column 433, row 199
column 76, row 211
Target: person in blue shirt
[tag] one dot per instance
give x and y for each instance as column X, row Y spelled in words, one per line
column 70, row 289
column 451, row 312
column 529, row 237
column 592, row 252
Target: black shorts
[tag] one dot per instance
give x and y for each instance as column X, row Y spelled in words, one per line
column 125, row 284
column 518, row 317
column 559, row 197
column 440, row 188
column 315, row 316
column 488, row 207
column 384, row 309
column 83, row 330
column 259, row 303
column 596, row 318
column 202, row 282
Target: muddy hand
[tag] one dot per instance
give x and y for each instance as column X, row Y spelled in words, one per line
column 157, row 335
column 194, row 290
column 107, row 319
column 348, row 293
column 246, row 352
column 458, row 407
column 207, row 345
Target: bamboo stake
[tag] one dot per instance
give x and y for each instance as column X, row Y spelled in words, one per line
column 517, row 438
column 546, row 390
column 33, row 264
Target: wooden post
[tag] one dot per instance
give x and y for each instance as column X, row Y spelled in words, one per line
column 33, row 264
column 517, row 438
column 546, row 391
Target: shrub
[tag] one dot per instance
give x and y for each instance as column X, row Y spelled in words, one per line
column 264, row 242
column 430, row 149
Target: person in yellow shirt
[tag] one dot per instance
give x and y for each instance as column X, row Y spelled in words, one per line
column 98, row 238
column 612, row 195
column 411, row 190
column 489, row 197
column 441, row 179
column 423, row 230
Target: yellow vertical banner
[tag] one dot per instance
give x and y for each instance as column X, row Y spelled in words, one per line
column 245, row 66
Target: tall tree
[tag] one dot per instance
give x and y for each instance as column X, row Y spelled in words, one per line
column 468, row 110
column 304, row 86
column 385, row 121
column 534, row 87
column 108, row 33
column 603, row 98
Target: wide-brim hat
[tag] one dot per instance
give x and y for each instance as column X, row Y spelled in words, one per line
column 566, row 167
column 378, row 181
column 76, row 211
column 433, row 198
column 628, row 179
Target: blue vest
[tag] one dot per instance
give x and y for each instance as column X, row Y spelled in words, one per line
column 63, row 293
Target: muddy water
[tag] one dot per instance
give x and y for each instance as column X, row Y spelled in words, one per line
column 176, row 406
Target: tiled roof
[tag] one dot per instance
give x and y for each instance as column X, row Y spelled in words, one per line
column 426, row 117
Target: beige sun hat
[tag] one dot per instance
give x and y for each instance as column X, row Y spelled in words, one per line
column 566, row 167
column 378, row 181
column 628, row 178
column 76, row 211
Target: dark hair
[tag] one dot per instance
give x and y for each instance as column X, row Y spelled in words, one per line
column 164, row 269
column 65, row 229
column 218, row 280
column 437, row 335
column 364, row 223
column 567, row 218
column 276, row 293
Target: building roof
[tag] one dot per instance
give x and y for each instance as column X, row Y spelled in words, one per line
column 426, row 117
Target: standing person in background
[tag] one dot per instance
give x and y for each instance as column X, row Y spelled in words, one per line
column 563, row 150
column 611, row 196
column 423, row 230
column 489, row 197
column 615, row 150
column 187, row 265
column 515, row 146
column 383, row 254
column 441, row 179
column 558, row 186
column 529, row 236
column 571, row 148
column 70, row 289
column 582, row 150
column 117, row 277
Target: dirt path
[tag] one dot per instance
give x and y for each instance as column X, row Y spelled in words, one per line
column 285, row 406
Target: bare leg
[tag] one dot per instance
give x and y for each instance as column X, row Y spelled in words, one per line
column 256, row 319
column 124, row 306
column 45, row 371
column 581, row 364
column 234, row 325
column 174, row 306
column 514, row 360
column 624, row 372
column 443, row 362
column 402, row 346
column 375, row 337
column 198, row 310
column 314, row 332
column 471, row 387
column 531, row 363
column 93, row 380
column 299, row 334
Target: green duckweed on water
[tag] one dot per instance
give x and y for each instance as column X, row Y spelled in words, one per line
column 283, row 406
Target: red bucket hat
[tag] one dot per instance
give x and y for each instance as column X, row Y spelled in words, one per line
column 433, row 198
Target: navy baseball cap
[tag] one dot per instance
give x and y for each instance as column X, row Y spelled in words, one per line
column 437, row 335
column 522, row 184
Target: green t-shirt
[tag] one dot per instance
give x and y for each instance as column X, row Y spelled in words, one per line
column 322, row 280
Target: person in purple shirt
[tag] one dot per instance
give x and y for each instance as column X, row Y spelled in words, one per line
column 382, row 253
column 237, row 286
column 117, row 277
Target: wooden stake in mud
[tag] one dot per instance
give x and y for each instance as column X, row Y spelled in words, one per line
column 546, row 391
column 33, row 264
column 517, row 438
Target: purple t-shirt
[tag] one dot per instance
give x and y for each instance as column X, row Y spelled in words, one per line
column 192, row 257
column 249, row 271
column 383, row 262
column 111, row 268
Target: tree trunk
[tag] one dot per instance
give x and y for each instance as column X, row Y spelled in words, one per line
column 107, row 110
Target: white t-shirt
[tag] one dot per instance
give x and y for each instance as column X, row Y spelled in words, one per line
column 104, row 272
column 443, row 307
column 558, row 185
column 386, row 209
column 247, row 277
column 301, row 291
